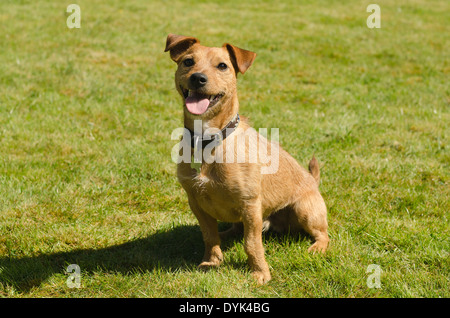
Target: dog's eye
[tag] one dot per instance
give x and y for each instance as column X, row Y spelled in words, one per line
column 222, row 66
column 188, row 62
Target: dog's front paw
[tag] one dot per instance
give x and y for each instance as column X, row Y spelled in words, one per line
column 261, row 277
column 318, row 247
column 210, row 261
column 206, row 265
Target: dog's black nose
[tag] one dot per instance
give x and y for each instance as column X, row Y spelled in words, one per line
column 198, row 80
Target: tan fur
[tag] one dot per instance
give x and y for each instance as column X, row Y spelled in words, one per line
column 286, row 201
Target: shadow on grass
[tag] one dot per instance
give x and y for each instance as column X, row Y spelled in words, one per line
column 170, row 250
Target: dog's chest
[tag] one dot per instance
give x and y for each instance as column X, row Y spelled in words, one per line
column 212, row 192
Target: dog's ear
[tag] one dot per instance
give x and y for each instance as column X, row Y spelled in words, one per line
column 241, row 59
column 177, row 44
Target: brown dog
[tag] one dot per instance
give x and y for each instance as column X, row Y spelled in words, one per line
column 286, row 198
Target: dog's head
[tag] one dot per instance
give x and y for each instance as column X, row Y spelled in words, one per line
column 206, row 76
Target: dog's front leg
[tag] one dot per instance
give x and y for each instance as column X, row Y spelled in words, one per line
column 208, row 225
column 252, row 220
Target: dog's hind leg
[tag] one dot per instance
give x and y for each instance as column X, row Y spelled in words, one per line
column 311, row 215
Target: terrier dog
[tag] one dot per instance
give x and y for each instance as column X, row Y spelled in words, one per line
column 286, row 199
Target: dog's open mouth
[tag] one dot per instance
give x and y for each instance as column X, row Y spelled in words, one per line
column 197, row 103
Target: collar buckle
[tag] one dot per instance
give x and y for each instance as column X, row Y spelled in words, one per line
column 218, row 137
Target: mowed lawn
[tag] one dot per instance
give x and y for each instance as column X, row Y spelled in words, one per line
column 86, row 117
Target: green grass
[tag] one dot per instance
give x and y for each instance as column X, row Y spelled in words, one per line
column 86, row 175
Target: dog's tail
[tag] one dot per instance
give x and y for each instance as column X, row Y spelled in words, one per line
column 314, row 169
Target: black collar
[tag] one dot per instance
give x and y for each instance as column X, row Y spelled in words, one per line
column 224, row 133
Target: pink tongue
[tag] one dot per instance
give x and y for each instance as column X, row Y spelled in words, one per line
column 197, row 104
